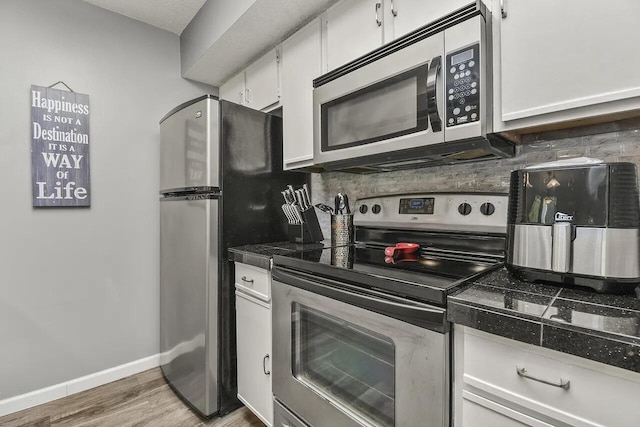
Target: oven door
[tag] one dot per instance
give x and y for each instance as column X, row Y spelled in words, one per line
column 392, row 103
column 346, row 358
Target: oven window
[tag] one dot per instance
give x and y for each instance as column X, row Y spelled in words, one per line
column 393, row 107
column 351, row 366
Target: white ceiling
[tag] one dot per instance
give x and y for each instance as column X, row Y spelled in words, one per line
column 170, row 15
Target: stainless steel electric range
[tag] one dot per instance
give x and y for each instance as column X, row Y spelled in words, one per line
column 360, row 336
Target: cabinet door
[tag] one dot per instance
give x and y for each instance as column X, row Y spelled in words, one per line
column 301, row 63
column 253, row 329
column 354, row 27
column 538, row 386
column 233, row 89
column 262, row 87
column 559, row 56
column 408, row 15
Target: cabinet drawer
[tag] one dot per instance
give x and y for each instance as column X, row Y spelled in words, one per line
column 253, row 280
column 551, row 384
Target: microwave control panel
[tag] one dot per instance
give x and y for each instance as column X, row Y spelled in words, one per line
column 462, row 85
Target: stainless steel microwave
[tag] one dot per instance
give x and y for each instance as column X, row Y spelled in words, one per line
column 421, row 100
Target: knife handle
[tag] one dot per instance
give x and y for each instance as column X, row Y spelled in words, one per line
column 300, row 199
column 298, row 213
column 307, row 194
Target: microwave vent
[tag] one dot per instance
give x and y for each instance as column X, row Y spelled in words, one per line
column 446, row 153
column 477, row 154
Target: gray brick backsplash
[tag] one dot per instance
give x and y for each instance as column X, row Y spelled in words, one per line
column 609, row 142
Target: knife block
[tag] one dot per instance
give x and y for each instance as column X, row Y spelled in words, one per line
column 307, row 232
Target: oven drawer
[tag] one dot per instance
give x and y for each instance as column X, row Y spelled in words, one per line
column 547, row 384
column 282, row 417
column 254, row 281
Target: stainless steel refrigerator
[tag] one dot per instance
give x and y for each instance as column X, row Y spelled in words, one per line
column 220, row 182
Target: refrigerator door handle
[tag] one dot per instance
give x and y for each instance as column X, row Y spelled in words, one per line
column 193, row 197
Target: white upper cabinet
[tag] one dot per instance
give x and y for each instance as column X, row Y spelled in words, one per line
column 261, row 79
column 258, row 86
column 408, row 15
column 233, row 89
column 356, row 27
column 562, row 61
column 300, row 64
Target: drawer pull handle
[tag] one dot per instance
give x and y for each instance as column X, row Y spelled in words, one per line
column 244, row 279
column 264, row 365
column 564, row 384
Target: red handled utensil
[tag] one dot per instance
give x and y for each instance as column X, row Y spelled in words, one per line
column 401, row 249
column 401, row 258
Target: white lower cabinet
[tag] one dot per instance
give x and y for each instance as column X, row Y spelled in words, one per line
column 502, row 382
column 479, row 411
column 253, row 336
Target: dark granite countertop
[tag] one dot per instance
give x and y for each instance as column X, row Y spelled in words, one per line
column 600, row 327
column 259, row 255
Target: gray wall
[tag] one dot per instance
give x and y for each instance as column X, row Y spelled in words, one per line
column 79, row 287
column 619, row 141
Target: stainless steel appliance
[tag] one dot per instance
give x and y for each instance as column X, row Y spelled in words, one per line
column 220, row 179
column 360, row 336
column 423, row 99
column 577, row 225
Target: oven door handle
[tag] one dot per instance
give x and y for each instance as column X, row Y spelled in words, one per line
column 432, row 94
column 413, row 312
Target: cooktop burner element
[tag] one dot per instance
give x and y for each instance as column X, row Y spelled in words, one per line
column 460, row 236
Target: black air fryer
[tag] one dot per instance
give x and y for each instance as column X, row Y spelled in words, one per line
column 576, row 225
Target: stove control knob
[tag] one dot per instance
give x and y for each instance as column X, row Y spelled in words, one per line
column 464, row 208
column 363, row 209
column 376, row 209
column 487, row 208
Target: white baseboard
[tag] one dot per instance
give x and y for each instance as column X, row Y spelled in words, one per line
column 44, row 395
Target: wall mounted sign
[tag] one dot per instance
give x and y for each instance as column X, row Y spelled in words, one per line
column 59, row 147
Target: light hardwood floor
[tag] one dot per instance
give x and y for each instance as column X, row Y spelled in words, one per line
column 140, row 400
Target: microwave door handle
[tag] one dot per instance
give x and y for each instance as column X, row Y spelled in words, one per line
column 432, row 94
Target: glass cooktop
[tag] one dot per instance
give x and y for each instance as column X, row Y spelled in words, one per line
column 422, row 275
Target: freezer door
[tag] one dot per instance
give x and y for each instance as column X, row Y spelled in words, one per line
column 189, row 298
column 189, row 149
